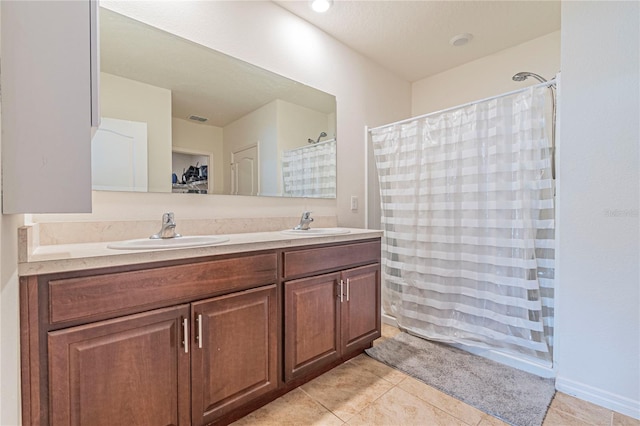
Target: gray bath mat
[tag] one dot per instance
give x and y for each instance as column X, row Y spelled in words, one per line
column 512, row 395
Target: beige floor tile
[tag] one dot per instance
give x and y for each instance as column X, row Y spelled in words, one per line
column 346, row 389
column 622, row 420
column 488, row 420
column 366, row 363
column 398, row 407
column 294, row 408
column 582, row 410
column 556, row 417
column 379, row 340
column 447, row 403
column 389, row 330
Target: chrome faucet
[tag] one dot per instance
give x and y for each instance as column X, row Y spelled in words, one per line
column 305, row 220
column 168, row 229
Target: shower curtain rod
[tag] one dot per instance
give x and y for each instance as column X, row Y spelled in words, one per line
column 551, row 82
column 311, row 145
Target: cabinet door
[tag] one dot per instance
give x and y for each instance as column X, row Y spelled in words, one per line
column 132, row 370
column 360, row 309
column 235, row 351
column 312, row 324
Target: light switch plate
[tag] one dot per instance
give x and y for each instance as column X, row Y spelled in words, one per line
column 354, row 202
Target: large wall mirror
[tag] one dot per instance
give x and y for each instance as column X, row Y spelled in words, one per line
column 180, row 117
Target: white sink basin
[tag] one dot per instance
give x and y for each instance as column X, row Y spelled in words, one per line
column 169, row 243
column 318, row 232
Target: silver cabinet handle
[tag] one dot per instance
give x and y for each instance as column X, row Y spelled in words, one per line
column 199, row 331
column 341, row 288
column 185, row 334
column 348, row 285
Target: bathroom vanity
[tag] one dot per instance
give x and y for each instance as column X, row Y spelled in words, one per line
column 191, row 336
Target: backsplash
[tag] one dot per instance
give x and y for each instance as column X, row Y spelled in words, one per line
column 54, row 233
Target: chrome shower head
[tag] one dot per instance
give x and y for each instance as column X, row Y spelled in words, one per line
column 522, row 76
column 322, row 135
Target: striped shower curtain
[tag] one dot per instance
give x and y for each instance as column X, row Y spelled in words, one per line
column 310, row 171
column 468, row 214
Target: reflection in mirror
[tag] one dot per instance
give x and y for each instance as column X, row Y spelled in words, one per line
column 213, row 124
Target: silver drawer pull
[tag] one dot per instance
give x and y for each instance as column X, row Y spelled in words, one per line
column 341, row 290
column 185, row 335
column 199, row 331
column 348, row 285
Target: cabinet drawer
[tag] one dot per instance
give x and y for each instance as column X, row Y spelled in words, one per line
column 311, row 261
column 110, row 294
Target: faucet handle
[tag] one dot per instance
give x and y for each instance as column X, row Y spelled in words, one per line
column 168, row 217
column 305, row 220
column 168, row 228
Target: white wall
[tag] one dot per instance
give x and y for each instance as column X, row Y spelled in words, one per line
column 259, row 127
column 131, row 100
column 9, row 320
column 268, row 36
column 487, row 76
column 297, row 124
column 598, row 310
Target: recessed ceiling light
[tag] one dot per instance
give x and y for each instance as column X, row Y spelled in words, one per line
column 461, row 39
column 321, row 6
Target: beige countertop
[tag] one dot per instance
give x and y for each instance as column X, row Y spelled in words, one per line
column 73, row 257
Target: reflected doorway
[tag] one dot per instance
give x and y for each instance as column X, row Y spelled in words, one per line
column 245, row 176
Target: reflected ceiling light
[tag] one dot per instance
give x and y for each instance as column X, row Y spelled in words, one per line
column 321, row 6
column 460, row 39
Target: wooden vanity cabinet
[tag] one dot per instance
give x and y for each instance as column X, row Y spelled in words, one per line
column 132, row 370
column 193, row 341
column 331, row 316
column 235, row 356
column 156, row 369
column 150, row 344
column 359, row 323
column 311, row 324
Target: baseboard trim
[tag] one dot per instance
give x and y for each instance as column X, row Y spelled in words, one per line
column 386, row 319
column 600, row 397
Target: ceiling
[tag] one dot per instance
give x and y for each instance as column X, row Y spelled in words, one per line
column 411, row 38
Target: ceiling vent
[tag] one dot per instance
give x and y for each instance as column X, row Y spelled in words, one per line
column 197, row 118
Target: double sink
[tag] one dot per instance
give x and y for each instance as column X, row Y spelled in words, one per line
column 209, row 240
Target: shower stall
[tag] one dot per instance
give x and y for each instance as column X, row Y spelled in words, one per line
column 467, row 209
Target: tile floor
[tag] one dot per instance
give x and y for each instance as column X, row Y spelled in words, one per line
column 363, row 391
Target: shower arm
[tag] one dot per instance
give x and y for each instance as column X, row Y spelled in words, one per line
column 322, row 135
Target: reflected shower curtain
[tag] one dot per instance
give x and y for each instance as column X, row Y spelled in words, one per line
column 467, row 210
column 310, row 171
